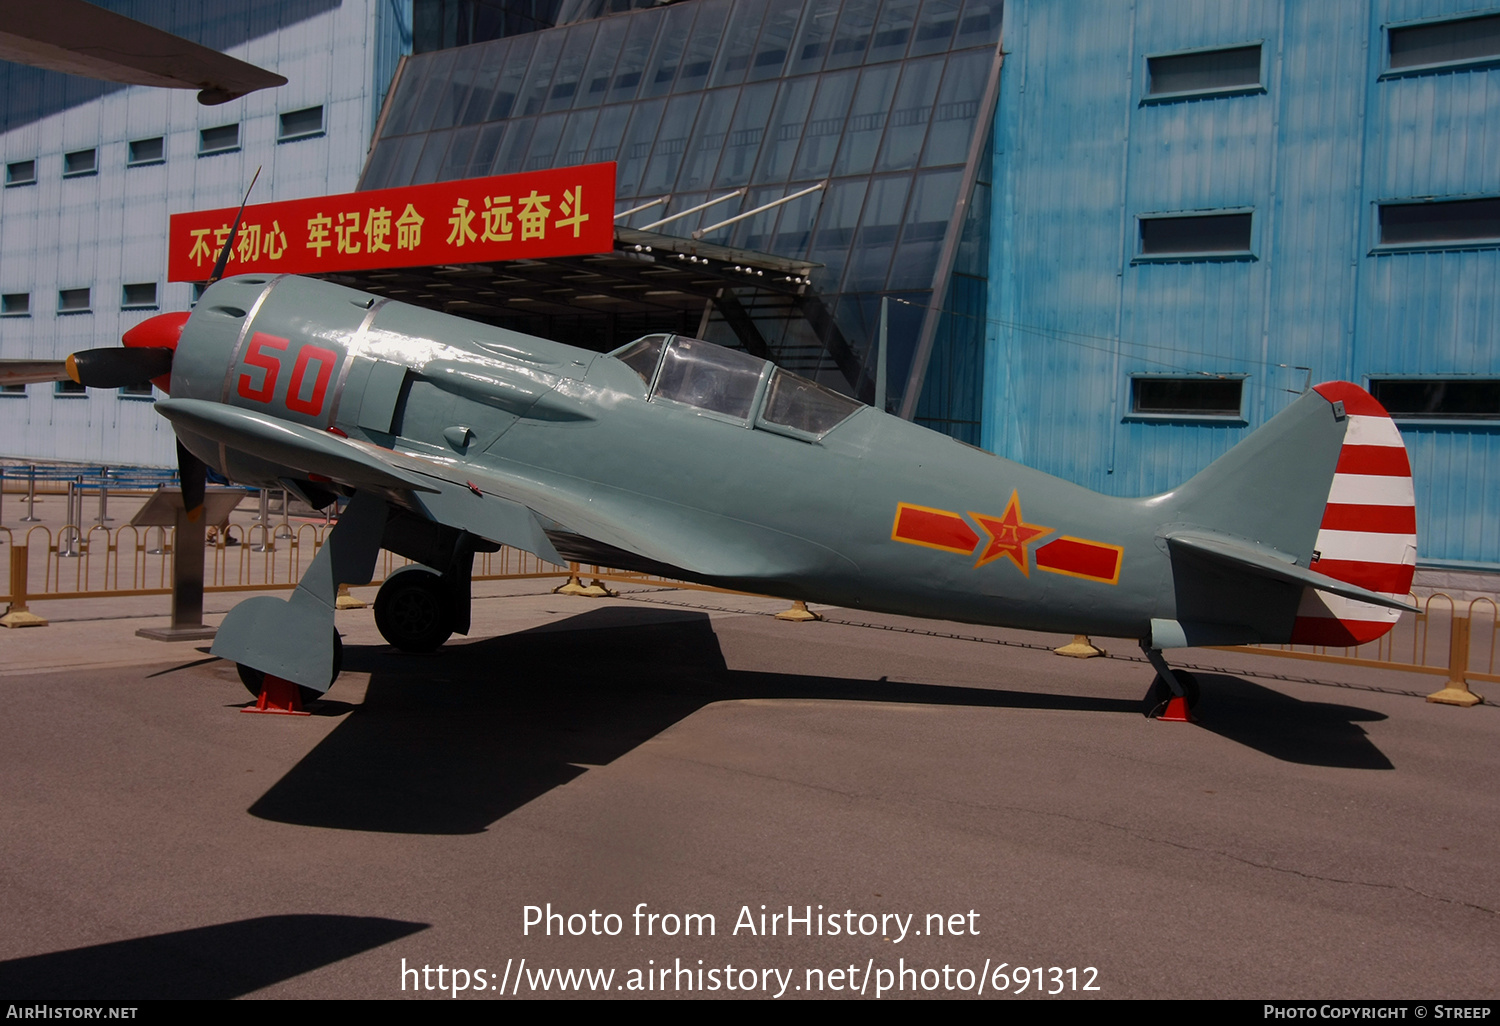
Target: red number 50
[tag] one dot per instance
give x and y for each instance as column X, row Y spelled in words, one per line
column 256, row 356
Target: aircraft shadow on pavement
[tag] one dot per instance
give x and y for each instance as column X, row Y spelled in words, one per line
column 209, row 962
column 1287, row 728
column 450, row 743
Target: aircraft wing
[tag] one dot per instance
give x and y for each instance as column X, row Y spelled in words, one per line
column 511, row 507
column 78, row 38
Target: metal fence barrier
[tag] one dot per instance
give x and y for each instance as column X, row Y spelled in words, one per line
column 1447, row 638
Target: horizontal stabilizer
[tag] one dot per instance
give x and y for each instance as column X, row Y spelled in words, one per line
column 292, row 445
column 1262, row 561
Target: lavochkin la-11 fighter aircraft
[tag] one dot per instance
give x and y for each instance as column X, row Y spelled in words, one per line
column 679, row 457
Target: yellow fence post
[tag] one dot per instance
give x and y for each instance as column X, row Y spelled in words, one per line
column 573, row 585
column 1457, row 692
column 799, row 613
column 1080, row 648
column 18, row 615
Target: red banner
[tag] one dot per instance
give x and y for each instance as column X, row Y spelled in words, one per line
column 560, row 212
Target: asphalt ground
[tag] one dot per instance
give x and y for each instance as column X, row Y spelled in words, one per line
column 1332, row 836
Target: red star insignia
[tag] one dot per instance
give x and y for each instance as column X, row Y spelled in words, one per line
column 1008, row 535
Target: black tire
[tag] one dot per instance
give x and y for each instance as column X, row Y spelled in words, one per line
column 254, row 680
column 411, row 610
column 1161, row 693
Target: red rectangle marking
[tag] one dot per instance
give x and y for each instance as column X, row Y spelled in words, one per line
column 1078, row 557
column 934, row 528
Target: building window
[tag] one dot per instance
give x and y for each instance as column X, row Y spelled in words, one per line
column 1201, row 397
column 69, row 388
column 141, row 391
column 148, row 151
column 1436, row 223
column 1438, row 398
column 139, row 297
column 1459, row 43
column 1195, row 236
column 22, row 172
column 73, row 301
column 224, row 139
column 15, row 304
column 80, row 163
column 1234, row 69
column 301, row 124
column 12, row 390
column 198, row 289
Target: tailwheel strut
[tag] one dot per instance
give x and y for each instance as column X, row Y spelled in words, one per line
column 1173, row 693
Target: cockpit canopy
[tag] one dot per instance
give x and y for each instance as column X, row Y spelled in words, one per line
column 733, row 384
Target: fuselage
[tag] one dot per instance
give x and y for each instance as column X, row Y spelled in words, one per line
column 874, row 512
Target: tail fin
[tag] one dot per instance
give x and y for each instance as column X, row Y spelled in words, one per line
column 1322, row 493
column 1368, row 536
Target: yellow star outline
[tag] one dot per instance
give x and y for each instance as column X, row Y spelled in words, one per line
column 1008, row 536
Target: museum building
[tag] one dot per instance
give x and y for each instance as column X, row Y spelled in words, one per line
column 1108, row 241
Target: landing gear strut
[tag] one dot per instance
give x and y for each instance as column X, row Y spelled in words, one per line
column 1173, row 694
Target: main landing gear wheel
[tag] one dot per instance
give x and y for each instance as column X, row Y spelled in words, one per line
column 411, row 610
column 255, row 680
column 1161, row 693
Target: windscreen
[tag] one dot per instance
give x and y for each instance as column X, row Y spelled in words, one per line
column 642, row 354
column 709, row 377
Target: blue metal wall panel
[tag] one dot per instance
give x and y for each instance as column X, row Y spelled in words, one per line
column 1079, row 157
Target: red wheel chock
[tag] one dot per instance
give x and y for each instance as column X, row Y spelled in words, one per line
column 1177, row 711
column 278, row 696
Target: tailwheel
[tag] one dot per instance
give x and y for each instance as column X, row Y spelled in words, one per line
column 255, row 680
column 1160, row 695
column 412, row 610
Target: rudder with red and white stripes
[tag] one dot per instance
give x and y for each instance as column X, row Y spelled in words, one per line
column 1368, row 536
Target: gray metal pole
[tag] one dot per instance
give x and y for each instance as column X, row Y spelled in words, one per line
column 30, row 517
column 70, row 529
column 104, row 496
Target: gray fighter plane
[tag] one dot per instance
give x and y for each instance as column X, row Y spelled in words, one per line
column 701, row 463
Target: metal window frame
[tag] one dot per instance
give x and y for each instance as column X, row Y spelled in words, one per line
column 16, row 313
column 92, row 169
column 1132, row 415
column 282, row 135
column 11, row 181
column 89, row 308
column 1388, row 72
column 126, row 304
column 132, row 161
column 1198, row 255
column 1378, row 248
column 202, row 140
column 1147, row 98
column 1416, row 420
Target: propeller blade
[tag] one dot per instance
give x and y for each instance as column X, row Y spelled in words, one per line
column 32, row 372
column 117, row 368
column 193, row 476
column 223, row 260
